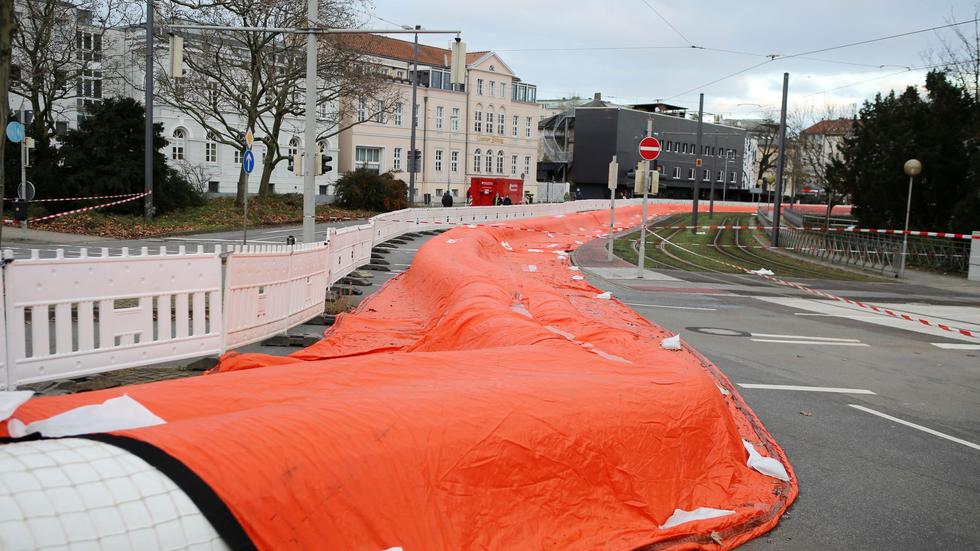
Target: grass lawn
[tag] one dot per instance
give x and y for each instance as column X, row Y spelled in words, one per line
column 217, row 214
column 717, row 250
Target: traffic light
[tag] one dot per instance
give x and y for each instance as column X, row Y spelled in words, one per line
column 325, row 163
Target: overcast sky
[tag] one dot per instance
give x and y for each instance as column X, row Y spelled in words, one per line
column 677, row 74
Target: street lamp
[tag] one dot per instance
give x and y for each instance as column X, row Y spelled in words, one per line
column 912, row 169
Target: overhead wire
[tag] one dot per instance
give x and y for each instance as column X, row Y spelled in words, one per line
column 673, row 28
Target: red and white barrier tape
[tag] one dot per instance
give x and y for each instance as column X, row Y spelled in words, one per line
column 947, row 235
column 78, row 198
column 872, row 307
column 85, row 209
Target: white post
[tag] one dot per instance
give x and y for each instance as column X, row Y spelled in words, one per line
column 973, row 271
column 642, row 254
column 905, row 235
column 309, row 180
column 613, row 179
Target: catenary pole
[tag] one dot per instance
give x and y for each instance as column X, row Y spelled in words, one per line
column 148, row 117
column 697, row 169
column 309, row 164
column 778, row 200
column 411, row 145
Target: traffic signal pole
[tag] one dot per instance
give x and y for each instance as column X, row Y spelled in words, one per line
column 697, row 167
column 413, row 164
column 309, row 170
column 642, row 254
column 780, row 168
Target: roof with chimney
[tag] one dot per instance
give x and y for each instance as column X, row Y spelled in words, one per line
column 402, row 50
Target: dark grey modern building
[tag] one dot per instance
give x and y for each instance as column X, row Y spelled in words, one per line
column 601, row 132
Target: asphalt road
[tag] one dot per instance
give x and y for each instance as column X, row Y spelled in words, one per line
column 866, row 481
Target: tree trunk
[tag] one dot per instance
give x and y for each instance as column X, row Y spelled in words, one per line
column 242, row 188
column 264, row 189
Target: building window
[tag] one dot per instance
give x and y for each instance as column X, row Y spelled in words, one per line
column 323, row 190
column 238, row 156
column 398, row 114
column 706, row 175
column 89, row 45
column 503, row 90
column 454, row 120
column 677, row 174
column 476, row 161
column 513, row 165
column 368, row 157
column 500, row 122
column 293, row 148
column 491, row 88
column 731, row 177
column 438, row 160
column 380, row 115
column 517, row 122
column 361, row 109
column 675, row 147
column 88, row 88
column 721, row 178
column 439, row 111
column 490, row 121
column 527, row 166
column 500, row 162
column 527, row 130
column 690, row 174
column 454, row 161
column 489, row 164
column 213, row 186
column 683, row 150
column 477, row 121
column 177, row 144
column 479, row 86
column 396, row 159
column 210, row 148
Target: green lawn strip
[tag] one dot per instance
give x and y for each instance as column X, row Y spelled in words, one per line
column 217, row 214
column 697, row 249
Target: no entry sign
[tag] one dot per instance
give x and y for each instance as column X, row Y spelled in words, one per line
column 649, row 148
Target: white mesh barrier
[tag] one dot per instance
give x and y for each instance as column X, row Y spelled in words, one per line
column 82, row 494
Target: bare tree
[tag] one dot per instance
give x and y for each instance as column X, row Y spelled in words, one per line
column 58, row 54
column 234, row 81
column 819, row 136
column 196, row 174
column 6, row 46
column 959, row 56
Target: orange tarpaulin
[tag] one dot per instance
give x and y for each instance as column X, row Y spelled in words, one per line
column 484, row 399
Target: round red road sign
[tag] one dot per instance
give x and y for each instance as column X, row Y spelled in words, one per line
column 649, row 148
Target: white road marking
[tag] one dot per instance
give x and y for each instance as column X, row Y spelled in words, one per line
column 821, row 343
column 935, row 313
column 772, row 335
column 394, row 264
column 807, row 388
column 918, row 427
column 955, row 346
column 672, row 307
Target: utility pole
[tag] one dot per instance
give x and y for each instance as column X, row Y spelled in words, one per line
column 714, row 165
column 781, row 166
column 642, row 256
column 697, row 167
column 23, row 162
column 148, row 117
column 309, row 136
column 411, row 144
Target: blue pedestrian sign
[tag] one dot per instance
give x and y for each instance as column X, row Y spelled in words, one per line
column 248, row 161
column 15, row 131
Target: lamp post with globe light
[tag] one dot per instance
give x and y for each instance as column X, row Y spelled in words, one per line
column 912, row 169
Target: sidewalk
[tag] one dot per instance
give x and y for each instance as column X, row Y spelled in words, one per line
column 41, row 237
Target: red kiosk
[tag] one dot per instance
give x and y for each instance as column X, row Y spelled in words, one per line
column 484, row 191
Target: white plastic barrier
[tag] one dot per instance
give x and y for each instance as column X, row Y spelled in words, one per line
column 350, row 247
column 269, row 289
column 67, row 317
